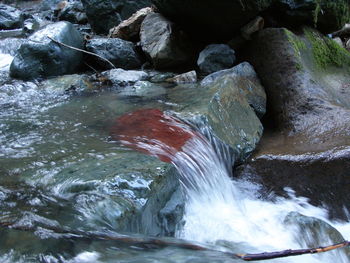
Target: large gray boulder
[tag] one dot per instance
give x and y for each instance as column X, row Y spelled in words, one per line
column 120, row 52
column 306, row 78
column 105, row 14
column 10, row 17
column 208, row 19
column 42, row 57
column 163, row 43
column 216, row 57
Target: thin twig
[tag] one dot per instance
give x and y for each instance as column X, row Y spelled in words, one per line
column 141, row 241
column 84, row 51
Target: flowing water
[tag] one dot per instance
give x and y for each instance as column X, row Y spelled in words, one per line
column 60, row 177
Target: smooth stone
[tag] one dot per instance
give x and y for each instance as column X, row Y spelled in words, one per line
column 42, row 57
column 120, row 52
column 10, row 17
column 216, row 57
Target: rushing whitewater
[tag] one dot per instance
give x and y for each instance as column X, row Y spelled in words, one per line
column 219, row 209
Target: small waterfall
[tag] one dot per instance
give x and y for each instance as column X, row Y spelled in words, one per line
column 219, row 209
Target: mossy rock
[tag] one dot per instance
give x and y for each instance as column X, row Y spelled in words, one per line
column 325, row 15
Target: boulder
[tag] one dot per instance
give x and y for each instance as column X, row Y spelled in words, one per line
column 188, row 77
column 306, row 78
column 164, row 44
column 40, row 56
column 73, row 12
column 120, row 77
column 216, row 57
column 211, row 20
column 10, row 17
column 105, row 14
column 120, row 52
column 254, row 92
column 130, row 29
column 327, row 16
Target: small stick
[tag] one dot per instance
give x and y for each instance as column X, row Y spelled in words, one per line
column 186, row 245
column 84, row 51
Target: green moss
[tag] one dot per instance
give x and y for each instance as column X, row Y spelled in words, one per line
column 298, row 45
column 327, row 52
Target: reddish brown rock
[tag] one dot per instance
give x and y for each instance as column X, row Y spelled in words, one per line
column 152, row 132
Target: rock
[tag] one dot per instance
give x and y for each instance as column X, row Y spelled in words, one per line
column 306, row 79
column 312, row 231
column 68, row 83
column 216, row 57
column 253, row 26
column 73, row 12
column 163, row 43
column 188, row 77
column 339, row 41
column 226, row 16
column 254, row 92
column 106, row 14
column 120, row 77
column 42, row 57
column 30, row 26
column 10, row 17
column 164, row 209
column 143, row 89
column 130, row 29
column 47, row 5
column 159, row 77
column 327, row 16
column 347, row 45
column 120, row 52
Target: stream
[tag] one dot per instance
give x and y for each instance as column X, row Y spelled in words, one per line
column 60, row 170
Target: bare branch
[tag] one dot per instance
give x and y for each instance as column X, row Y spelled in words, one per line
column 81, row 50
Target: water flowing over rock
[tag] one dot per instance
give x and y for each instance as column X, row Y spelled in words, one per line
column 120, row 52
column 42, row 57
column 306, row 78
column 209, row 19
column 216, row 57
column 10, row 17
column 164, row 43
column 105, row 14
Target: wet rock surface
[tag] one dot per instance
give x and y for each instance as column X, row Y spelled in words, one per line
column 41, row 57
column 307, row 147
column 216, row 57
column 72, row 11
column 120, row 77
column 120, row 52
column 164, row 44
column 10, row 17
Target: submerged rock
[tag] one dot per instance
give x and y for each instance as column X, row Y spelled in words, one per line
column 42, row 57
column 216, row 57
column 10, row 17
column 165, row 45
column 118, row 51
column 306, row 79
column 68, row 83
column 106, row 14
column 143, row 89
